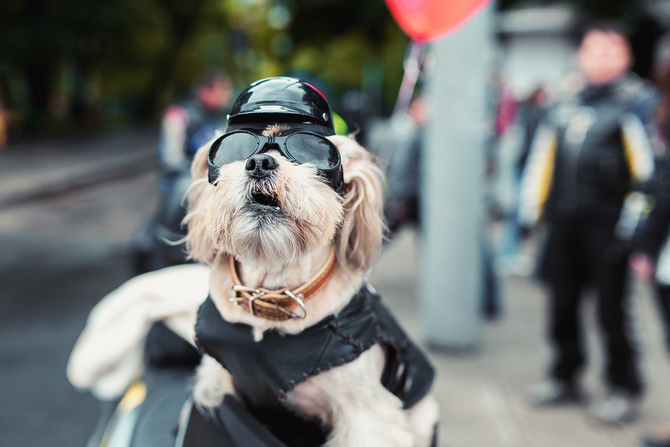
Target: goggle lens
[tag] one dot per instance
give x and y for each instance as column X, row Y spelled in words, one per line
column 308, row 148
column 236, row 146
column 301, row 147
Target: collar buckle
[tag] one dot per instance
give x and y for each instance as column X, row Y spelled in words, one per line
column 256, row 293
column 301, row 303
column 237, row 289
column 277, row 304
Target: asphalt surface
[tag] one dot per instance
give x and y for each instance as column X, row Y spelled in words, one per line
column 50, row 166
column 69, row 209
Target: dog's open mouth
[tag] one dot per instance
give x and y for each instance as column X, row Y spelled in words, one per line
column 265, row 199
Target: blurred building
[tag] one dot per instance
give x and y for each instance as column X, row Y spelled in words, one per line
column 536, row 44
column 536, row 47
column 660, row 9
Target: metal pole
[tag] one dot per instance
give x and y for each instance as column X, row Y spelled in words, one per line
column 451, row 191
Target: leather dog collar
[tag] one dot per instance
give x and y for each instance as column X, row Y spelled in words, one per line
column 277, row 304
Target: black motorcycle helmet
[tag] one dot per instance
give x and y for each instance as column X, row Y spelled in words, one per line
column 291, row 99
column 281, row 100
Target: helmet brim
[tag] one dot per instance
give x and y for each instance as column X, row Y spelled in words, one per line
column 259, row 122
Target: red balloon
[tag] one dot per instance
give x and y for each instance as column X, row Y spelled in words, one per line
column 426, row 20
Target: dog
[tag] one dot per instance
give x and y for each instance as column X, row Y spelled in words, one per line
column 276, row 231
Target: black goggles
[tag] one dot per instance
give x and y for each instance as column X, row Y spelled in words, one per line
column 300, row 147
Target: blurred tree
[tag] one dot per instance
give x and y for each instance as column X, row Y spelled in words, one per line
column 181, row 18
column 82, row 62
column 342, row 41
column 38, row 36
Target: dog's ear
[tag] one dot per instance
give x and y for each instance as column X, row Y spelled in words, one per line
column 361, row 233
column 197, row 197
column 199, row 168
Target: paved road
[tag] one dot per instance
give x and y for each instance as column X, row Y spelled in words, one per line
column 58, row 256
column 42, row 167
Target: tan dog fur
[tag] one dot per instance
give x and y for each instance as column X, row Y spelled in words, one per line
column 287, row 252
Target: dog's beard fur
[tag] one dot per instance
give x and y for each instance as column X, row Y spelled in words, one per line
column 223, row 220
column 300, row 213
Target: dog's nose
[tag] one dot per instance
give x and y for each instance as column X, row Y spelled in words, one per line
column 261, row 165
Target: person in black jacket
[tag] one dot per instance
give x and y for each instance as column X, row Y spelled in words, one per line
column 585, row 176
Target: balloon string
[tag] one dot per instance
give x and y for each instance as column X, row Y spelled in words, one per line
column 409, row 78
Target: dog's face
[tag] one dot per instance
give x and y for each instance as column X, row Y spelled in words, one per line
column 268, row 211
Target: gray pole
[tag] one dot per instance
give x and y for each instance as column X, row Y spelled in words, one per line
column 452, row 185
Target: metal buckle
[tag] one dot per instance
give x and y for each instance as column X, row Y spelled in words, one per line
column 236, row 289
column 257, row 293
column 251, row 301
column 297, row 299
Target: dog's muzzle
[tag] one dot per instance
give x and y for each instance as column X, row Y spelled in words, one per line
column 260, row 166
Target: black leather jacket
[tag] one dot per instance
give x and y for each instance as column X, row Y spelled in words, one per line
column 264, row 371
column 592, row 150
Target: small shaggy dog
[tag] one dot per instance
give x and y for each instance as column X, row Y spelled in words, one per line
column 297, row 251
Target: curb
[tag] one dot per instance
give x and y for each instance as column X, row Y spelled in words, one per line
column 78, row 177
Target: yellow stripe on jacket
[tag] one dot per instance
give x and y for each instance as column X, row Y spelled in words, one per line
column 637, row 148
column 537, row 176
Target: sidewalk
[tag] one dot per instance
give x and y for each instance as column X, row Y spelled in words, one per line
column 42, row 167
column 482, row 395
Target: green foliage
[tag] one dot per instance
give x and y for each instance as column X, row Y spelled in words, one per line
column 82, row 62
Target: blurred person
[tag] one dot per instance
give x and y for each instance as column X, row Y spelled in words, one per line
column 653, row 263
column 189, row 123
column 589, row 161
column 531, row 112
column 528, row 114
column 653, row 260
column 662, row 79
column 11, row 126
column 402, row 139
column 186, row 126
column 4, row 127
